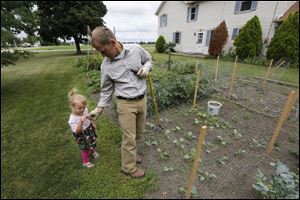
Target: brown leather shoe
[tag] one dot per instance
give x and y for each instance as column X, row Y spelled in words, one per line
column 138, row 159
column 137, row 174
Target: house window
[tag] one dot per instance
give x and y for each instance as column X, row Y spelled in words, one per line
column 163, row 20
column 235, row 32
column 177, row 37
column 192, row 13
column 200, row 38
column 244, row 6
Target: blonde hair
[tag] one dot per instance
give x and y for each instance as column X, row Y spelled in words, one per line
column 74, row 97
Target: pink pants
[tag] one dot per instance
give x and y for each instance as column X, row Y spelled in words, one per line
column 85, row 154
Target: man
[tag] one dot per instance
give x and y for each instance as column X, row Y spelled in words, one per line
column 124, row 71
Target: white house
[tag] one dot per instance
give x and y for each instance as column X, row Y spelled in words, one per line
column 189, row 23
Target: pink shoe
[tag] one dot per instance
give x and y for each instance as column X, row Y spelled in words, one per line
column 88, row 165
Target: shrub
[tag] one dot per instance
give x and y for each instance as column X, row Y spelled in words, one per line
column 218, row 40
column 9, row 58
column 285, row 43
column 248, row 42
column 160, row 45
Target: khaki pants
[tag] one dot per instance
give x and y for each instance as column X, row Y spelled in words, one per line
column 132, row 116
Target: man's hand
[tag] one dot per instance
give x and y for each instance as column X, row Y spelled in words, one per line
column 94, row 114
column 143, row 72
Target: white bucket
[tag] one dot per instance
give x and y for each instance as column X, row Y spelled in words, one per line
column 213, row 107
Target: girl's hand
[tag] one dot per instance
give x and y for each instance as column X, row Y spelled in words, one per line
column 82, row 119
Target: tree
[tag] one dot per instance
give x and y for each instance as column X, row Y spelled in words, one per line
column 285, row 43
column 160, row 45
column 68, row 19
column 16, row 16
column 218, row 39
column 248, row 42
column 32, row 39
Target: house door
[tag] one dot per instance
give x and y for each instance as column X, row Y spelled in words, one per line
column 200, row 42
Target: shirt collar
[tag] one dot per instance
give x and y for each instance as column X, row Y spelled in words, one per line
column 124, row 51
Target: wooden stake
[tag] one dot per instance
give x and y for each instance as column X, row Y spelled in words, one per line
column 196, row 161
column 196, row 88
column 217, row 69
column 154, row 100
column 267, row 74
column 232, row 77
column 287, row 109
column 293, row 103
column 277, row 67
column 196, row 67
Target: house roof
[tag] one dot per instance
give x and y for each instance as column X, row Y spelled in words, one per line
column 163, row 3
column 159, row 7
column 292, row 9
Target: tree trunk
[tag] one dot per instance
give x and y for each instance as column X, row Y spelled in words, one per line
column 77, row 44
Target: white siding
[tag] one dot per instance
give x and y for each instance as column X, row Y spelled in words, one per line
column 210, row 15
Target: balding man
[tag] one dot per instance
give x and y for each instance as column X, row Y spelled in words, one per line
column 124, row 71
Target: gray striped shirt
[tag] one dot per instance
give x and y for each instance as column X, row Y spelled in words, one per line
column 117, row 75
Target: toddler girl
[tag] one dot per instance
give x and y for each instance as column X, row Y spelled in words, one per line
column 83, row 128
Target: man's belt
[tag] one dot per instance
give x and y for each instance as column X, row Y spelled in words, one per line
column 135, row 98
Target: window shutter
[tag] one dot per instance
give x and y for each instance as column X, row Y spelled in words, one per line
column 174, row 37
column 196, row 13
column 166, row 20
column 179, row 38
column 253, row 5
column 160, row 20
column 188, row 14
column 237, row 6
column 208, row 34
column 234, row 33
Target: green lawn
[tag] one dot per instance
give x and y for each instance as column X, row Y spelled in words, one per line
column 39, row 157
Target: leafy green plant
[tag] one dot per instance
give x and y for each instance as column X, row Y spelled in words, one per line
column 88, row 63
column 94, row 80
column 182, row 190
column 213, row 120
column 220, row 140
column 183, row 68
column 237, row 134
column 168, row 169
column 162, row 154
column 255, row 143
column 283, row 185
column 223, row 160
column 205, row 176
column 240, row 152
column 172, row 89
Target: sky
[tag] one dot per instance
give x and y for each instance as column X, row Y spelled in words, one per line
column 134, row 21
